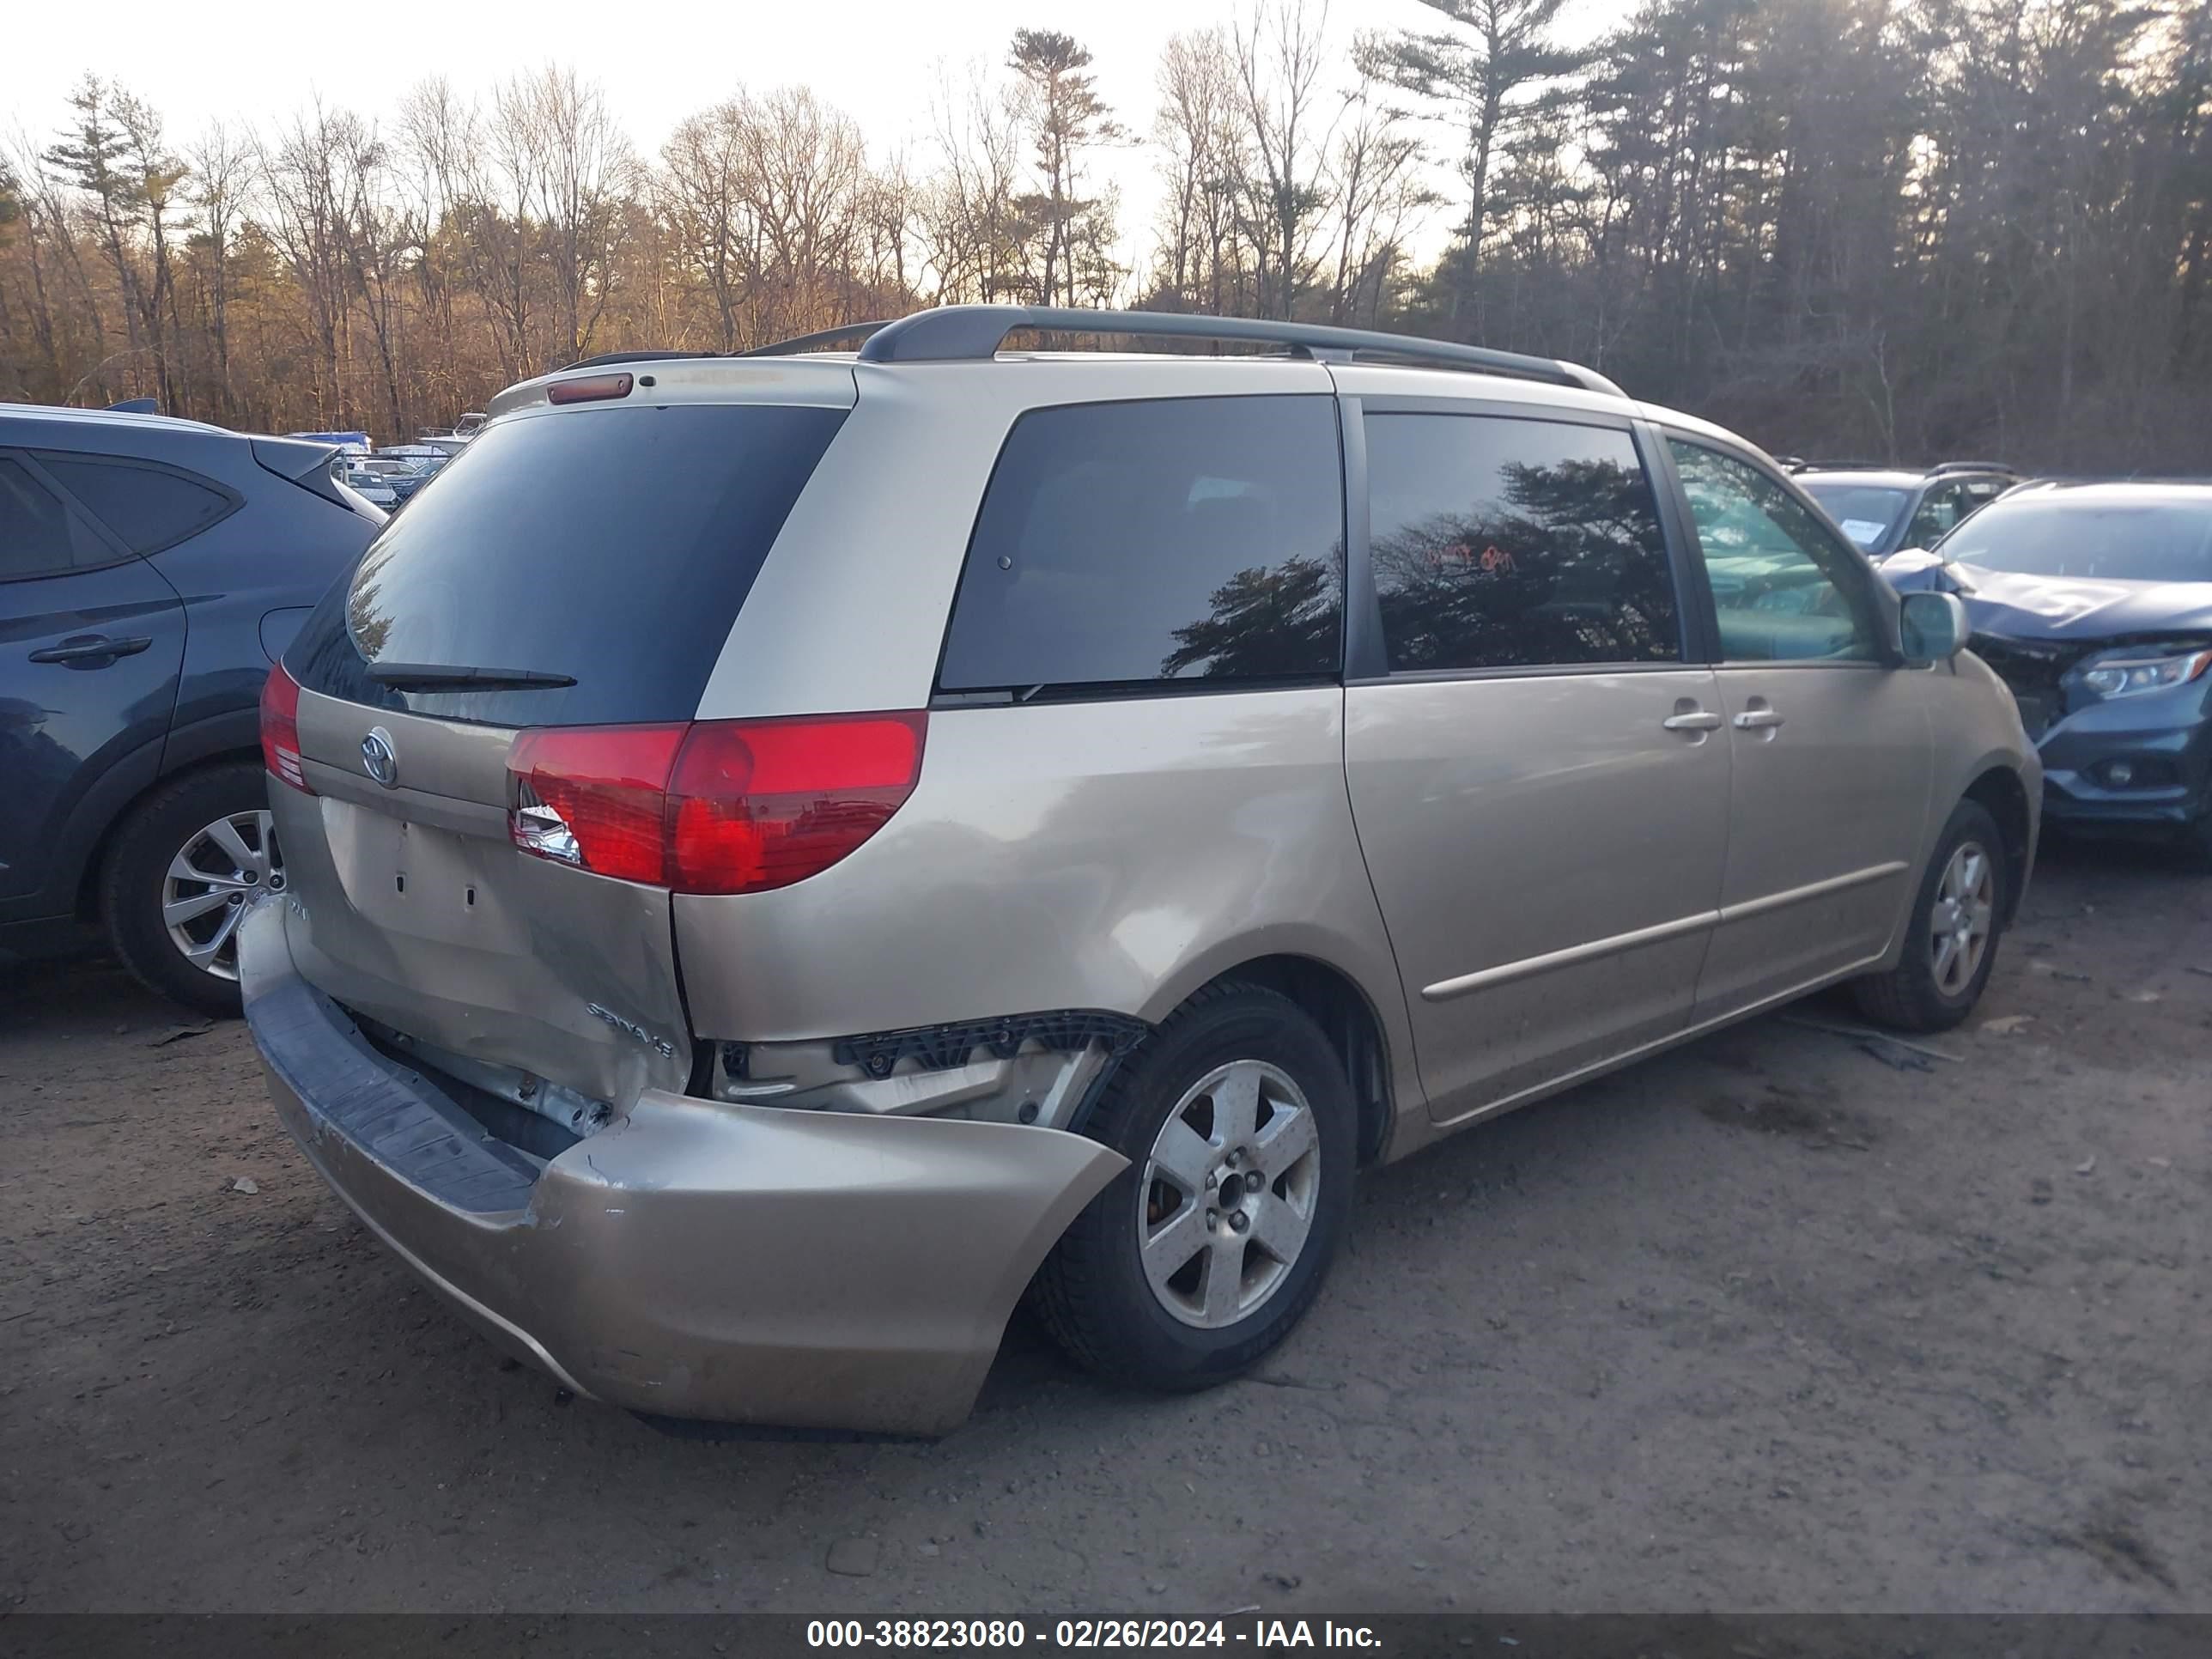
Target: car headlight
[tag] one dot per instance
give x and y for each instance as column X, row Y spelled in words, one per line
column 2124, row 675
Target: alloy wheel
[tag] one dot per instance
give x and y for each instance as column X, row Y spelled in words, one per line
column 1958, row 924
column 1228, row 1195
column 208, row 883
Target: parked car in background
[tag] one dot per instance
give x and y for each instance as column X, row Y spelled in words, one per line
column 424, row 456
column 403, row 477
column 151, row 570
column 784, row 852
column 348, row 443
column 2094, row 602
column 1884, row 509
column 370, row 484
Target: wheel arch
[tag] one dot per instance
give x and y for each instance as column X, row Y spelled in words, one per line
column 1347, row 1017
column 1998, row 790
column 102, row 846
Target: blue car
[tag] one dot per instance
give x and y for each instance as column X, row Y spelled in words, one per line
column 150, row 571
column 2094, row 602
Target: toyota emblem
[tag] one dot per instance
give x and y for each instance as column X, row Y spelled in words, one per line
column 378, row 755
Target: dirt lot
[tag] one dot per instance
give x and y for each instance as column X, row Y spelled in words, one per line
column 1768, row 1324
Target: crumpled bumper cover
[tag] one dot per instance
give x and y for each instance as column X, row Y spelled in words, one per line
column 2166, row 733
column 745, row 1264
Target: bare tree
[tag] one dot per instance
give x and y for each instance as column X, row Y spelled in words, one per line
column 503, row 172
column 222, row 171
column 1201, row 257
column 1375, row 188
column 1278, row 59
column 438, row 138
column 704, row 204
column 578, row 169
column 301, row 177
column 377, row 246
column 806, row 169
column 969, row 225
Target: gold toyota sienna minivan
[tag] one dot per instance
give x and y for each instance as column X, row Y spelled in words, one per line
column 786, row 854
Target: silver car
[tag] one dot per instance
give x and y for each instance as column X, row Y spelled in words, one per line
column 894, row 831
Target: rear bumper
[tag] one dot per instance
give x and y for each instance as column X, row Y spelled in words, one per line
column 746, row 1264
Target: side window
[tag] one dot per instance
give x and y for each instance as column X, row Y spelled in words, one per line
column 39, row 536
column 1941, row 508
column 1180, row 539
column 1785, row 589
column 148, row 507
column 1980, row 492
column 1507, row 543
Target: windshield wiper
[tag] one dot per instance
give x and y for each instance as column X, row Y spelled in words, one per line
column 431, row 677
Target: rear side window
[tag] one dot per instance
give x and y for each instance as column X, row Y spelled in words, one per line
column 1196, row 538
column 614, row 547
column 1510, row 544
column 39, row 534
column 148, row 507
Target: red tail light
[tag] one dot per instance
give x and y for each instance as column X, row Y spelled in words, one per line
column 761, row 804
column 718, row 807
column 280, row 728
column 595, row 796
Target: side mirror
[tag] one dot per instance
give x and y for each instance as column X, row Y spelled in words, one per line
column 1933, row 626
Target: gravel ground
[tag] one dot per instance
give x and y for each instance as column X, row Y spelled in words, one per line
column 1767, row 1324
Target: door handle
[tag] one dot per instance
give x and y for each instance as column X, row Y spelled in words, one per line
column 89, row 647
column 1701, row 720
column 1752, row 719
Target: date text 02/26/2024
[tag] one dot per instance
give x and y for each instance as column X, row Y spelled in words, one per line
column 1084, row 1633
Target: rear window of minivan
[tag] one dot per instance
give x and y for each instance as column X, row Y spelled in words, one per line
column 614, row 547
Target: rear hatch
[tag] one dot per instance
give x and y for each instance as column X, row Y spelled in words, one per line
column 577, row 566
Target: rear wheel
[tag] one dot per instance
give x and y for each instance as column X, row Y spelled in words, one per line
column 183, row 867
column 1240, row 1130
column 1951, row 942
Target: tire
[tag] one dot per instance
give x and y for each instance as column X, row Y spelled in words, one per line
column 162, row 835
column 1094, row 1293
column 1927, row 991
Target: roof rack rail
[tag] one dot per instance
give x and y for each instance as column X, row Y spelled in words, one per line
column 813, row 342
column 606, row 358
column 975, row 333
column 1975, row 466
column 816, row 340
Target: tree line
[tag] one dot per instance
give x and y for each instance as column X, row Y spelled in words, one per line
column 1887, row 229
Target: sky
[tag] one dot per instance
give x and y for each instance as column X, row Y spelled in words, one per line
column 659, row 60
